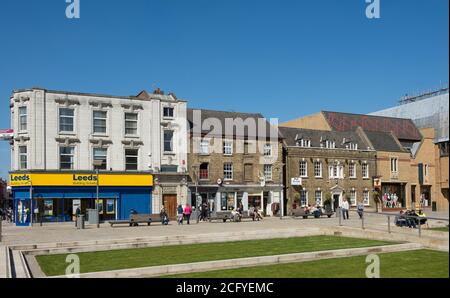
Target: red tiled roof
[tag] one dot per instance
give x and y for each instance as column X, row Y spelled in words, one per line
column 403, row 129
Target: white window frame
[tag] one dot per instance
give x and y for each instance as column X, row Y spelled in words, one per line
column 169, row 109
column 365, row 171
column 330, row 144
column 268, row 172
column 129, row 155
column 366, row 198
column 204, row 147
column 171, row 142
column 303, row 167
column 353, row 197
column 304, row 199
column 228, row 171
column 321, row 197
column 101, row 119
column 394, row 164
column 227, row 147
column 318, row 168
column 267, row 149
column 304, row 143
column 338, row 169
column 67, row 117
column 72, row 164
column 23, row 155
column 23, row 126
column 129, row 121
column 105, row 165
column 352, row 170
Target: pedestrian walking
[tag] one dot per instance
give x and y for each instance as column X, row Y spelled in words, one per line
column 180, row 215
column 360, row 209
column 345, row 207
column 187, row 213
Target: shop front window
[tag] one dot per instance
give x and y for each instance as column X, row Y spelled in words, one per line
column 227, row 201
column 392, row 195
column 425, row 197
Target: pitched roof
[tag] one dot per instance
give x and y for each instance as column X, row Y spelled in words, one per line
column 317, row 137
column 225, row 118
column 403, row 129
column 383, row 141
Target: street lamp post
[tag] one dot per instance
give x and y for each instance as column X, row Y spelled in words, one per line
column 97, row 164
column 97, row 201
column 280, row 169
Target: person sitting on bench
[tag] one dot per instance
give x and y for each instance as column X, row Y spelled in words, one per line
column 400, row 220
column 422, row 218
column 164, row 217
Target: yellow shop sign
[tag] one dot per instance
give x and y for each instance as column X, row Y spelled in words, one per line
column 39, row 179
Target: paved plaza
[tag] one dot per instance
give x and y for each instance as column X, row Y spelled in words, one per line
column 66, row 232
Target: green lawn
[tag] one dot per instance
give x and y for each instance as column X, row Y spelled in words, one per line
column 53, row 265
column 442, row 229
column 411, row 264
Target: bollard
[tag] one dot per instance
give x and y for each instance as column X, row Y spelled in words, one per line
column 389, row 224
column 340, row 216
column 420, row 229
column 362, row 220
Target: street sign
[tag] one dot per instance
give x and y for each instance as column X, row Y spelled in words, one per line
column 296, row 181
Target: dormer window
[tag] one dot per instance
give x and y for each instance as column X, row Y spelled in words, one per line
column 353, row 146
column 304, row 143
column 330, row 144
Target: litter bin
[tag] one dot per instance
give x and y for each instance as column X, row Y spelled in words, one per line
column 92, row 215
column 80, row 222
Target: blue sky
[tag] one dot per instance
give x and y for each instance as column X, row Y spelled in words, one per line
column 282, row 58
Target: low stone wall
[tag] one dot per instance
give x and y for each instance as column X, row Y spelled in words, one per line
column 248, row 262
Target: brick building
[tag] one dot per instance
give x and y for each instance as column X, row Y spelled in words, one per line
column 406, row 157
column 234, row 158
column 326, row 165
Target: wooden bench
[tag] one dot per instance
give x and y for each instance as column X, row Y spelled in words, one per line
column 302, row 213
column 136, row 219
column 221, row 215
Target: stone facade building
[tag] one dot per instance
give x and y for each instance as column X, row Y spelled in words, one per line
column 327, row 166
column 73, row 132
column 234, row 159
column 406, row 160
column 430, row 113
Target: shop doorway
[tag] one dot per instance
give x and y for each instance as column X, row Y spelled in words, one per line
column 170, row 204
column 254, row 201
column 336, row 201
column 425, row 196
column 23, row 212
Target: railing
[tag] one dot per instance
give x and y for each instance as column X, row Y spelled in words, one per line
column 416, row 219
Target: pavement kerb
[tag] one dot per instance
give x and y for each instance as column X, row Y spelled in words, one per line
column 247, row 262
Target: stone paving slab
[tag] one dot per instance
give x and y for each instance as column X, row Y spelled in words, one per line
column 59, row 233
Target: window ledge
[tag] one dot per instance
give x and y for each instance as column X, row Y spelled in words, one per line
column 169, row 153
column 99, row 135
column 132, row 136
